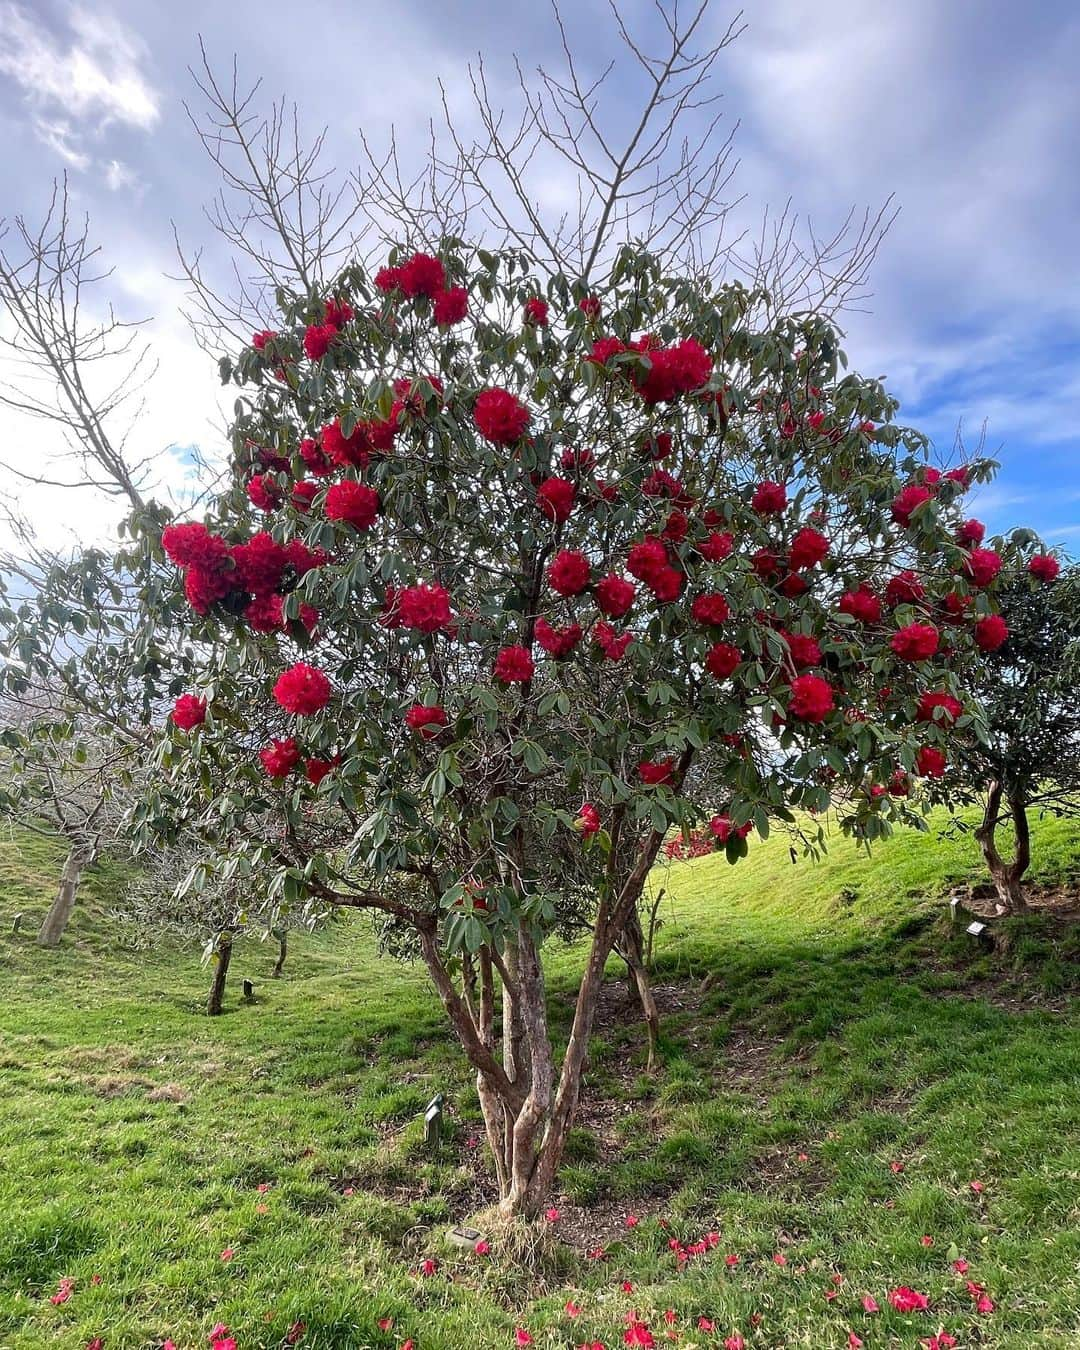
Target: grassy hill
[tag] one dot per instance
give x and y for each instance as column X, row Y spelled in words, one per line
column 839, row 1068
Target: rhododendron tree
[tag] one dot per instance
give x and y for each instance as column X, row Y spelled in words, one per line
column 514, row 693
column 1028, row 685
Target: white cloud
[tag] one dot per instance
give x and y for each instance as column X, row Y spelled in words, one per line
column 76, row 87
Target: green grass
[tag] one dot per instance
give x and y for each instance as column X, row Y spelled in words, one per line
column 844, row 1028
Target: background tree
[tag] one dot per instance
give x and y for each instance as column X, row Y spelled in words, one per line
column 1029, row 689
column 503, row 726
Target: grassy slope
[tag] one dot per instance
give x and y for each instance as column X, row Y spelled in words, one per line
column 134, row 1131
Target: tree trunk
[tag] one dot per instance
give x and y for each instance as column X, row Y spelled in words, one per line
column 52, row 930
column 1007, row 877
column 222, row 957
column 283, row 951
column 631, row 947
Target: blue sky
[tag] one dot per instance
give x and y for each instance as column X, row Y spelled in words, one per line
column 967, row 111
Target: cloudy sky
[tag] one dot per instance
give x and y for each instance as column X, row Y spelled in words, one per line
column 967, row 111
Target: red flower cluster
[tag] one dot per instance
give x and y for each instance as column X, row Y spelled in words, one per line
column 264, row 493
column 982, row 566
column 971, row 532
column 425, row 607
column 555, row 498
column 318, row 339
column 808, row 548
column 656, row 771
column 558, row 642
column 302, row 690
column 536, row 312
column 500, row 417
column 916, row 642
column 194, row 546
column 805, row 650
column 991, row 632
column 932, row 701
column 280, row 758
column 769, row 498
column 648, row 561
column 812, row 698
column 569, row 572
column 588, row 820
column 907, row 502
column 514, row 665
column 612, row 644
column 590, row 307
column 904, row 589
column 722, row 660
column 681, row 369
column 189, row 711
column 861, row 604
column 931, row 762
column 717, row 547
column 1043, row 567
column 428, row 720
column 711, row 609
column 451, row 306
column 353, row 503
column 614, row 595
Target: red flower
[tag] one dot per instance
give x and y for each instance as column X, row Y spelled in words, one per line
column 189, row 712
column 426, row 719
column 612, row 644
column 1042, row 567
column 522, row 1337
column 354, row 503
column 907, row 501
column 735, row 1342
column 63, row 1291
column 317, row 340
column 722, row 828
column 931, row 762
column 971, row 532
column 916, row 642
column 870, row 1304
column 805, row 650
column 769, row 498
column 808, row 548
column 338, row 312
column 931, row 701
column 500, row 417
column 568, row 572
column 588, row 820
column 590, row 306
column 313, row 455
column 259, row 340
column 673, row 371
column 991, row 632
column 315, row 770
column 711, row 609
column 941, row 1340
column 424, row 607
column 264, row 493
column 982, row 566
column 614, row 595
column 421, row 275
column 667, row 584
column 514, row 665
column 303, row 494
column 722, row 660
column 280, row 758
column 908, row 1300
column 656, row 771
column 302, row 690
column 295, row 1333
column 536, row 312
column 203, row 588
column 765, row 563
column 717, row 547
column 555, row 498
column 194, row 546
column 345, row 450
column 603, row 349
column 647, row 559
column 558, row 642
column 904, row 589
column 812, row 698
column 388, row 279
column 638, row 1333
column 451, row 306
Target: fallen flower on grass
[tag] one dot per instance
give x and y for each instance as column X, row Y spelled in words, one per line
column 63, row 1291
column 552, row 1215
column 429, row 1267
column 961, row 1266
column 704, row 1324
column 632, row 1221
column 627, row 1287
column 98, row 1343
column 95, row 1280
column 295, row 1333
column 482, row 1248
column 385, row 1323
column 941, row 1341
column 870, row 1304
column 854, row 1342
column 779, row 1259
column 896, row 1167
column 905, row 1299
column 263, row 1187
column 735, row 1342
column 597, row 1254
column 977, row 1187
column 227, row 1255
column 638, row 1334
column 731, row 1259
column 670, row 1316
column 572, row 1309
column 522, row 1337
column 926, row 1240
column 262, row 1209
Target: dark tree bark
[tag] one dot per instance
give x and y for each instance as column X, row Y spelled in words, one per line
column 1006, row 876
column 283, row 951
column 222, row 957
column 631, row 947
column 56, row 921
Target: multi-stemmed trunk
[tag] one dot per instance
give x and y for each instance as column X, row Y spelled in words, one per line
column 1006, row 876
column 528, row 1101
column 52, row 929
